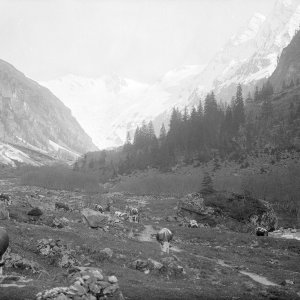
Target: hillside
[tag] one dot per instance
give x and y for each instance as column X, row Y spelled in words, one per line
column 288, row 69
column 30, row 115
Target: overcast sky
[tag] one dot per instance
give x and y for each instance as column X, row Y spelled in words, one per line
column 138, row 39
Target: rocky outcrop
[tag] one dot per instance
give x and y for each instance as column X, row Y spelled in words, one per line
column 219, row 206
column 288, row 68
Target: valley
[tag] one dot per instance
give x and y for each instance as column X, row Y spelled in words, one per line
column 209, row 262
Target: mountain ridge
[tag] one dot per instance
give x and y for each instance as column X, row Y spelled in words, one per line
column 32, row 116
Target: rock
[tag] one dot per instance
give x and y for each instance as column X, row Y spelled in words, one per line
column 94, row 219
column 170, row 219
column 226, row 207
column 112, row 279
column 154, row 265
column 86, row 284
column 4, row 214
column 61, row 205
column 35, row 212
column 140, row 265
column 288, row 282
column 107, row 252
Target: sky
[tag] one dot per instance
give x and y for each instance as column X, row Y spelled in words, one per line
column 139, row 39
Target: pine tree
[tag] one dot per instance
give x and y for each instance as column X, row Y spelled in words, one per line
column 207, row 185
column 238, row 109
column 256, row 94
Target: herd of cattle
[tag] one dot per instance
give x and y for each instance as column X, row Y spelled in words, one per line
column 163, row 236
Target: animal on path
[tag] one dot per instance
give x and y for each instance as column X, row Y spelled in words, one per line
column 4, row 242
column 164, row 237
column 133, row 214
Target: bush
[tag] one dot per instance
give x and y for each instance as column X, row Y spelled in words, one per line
column 59, row 178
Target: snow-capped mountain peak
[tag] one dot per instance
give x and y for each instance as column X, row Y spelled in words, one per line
column 250, row 31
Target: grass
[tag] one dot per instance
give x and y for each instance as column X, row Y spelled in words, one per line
column 59, row 178
column 161, row 184
column 281, row 187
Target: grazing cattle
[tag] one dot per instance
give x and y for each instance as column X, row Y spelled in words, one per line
column 4, row 242
column 260, row 231
column 99, row 208
column 193, row 224
column 133, row 214
column 164, row 236
column 5, row 198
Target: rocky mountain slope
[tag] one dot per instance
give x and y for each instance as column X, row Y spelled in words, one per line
column 31, row 116
column 288, row 69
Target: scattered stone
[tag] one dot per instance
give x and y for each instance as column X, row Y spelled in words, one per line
column 107, row 252
column 61, row 205
column 35, row 212
column 14, row 260
column 54, row 248
column 86, row 284
column 171, row 219
column 60, row 223
column 288, row 282
column 93, row 218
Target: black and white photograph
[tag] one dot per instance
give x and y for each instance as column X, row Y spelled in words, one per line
column 150, row 150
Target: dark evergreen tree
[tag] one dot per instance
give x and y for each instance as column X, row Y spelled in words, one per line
column 207, row 185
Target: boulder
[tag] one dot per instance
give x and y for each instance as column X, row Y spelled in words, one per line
column 224, row 207
column 93, row 218
column 35, row 212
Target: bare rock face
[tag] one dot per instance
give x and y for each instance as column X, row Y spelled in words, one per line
column 94, row 218
column 219, row 206
column 30, row 113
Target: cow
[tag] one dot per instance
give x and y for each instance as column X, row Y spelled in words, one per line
column 164, row 237
column 193, row 224
column 260, row 231
column 99, row 208
column 133, row 214
column 5, row 198
column 4, row 242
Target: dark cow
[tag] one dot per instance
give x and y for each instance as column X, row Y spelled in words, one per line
column 164, row 237
column 4, row 242
column 260, row 231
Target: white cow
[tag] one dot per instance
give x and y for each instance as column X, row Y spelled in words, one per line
column 164, row 237
column 193, row 224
